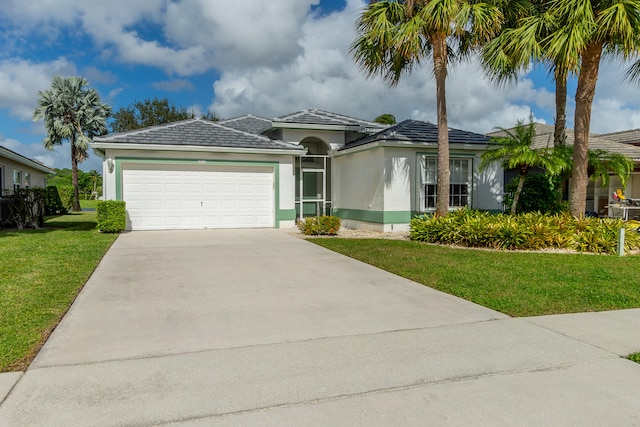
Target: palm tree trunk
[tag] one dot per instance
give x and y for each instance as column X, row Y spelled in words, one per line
column 440, row 71
column 74, row 176
column 559, row 135
column 584, row 99
column 516, row 197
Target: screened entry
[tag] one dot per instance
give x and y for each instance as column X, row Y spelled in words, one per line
column 313, row 181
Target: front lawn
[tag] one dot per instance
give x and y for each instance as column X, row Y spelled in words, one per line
column 42, row 272
column 88, row 204
column 514, row 283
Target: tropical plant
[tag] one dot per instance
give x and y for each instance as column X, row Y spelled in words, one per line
column 540, row 193
column 394, row 37
column 518, row 45
column 602, row 164
column 530, row 231
column 579, row 33
column 72, row 111
column 95, row 179
column 516, row 151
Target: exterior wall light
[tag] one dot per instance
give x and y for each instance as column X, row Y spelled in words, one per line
column 110, row 164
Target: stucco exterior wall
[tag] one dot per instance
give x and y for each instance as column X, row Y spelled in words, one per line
column 285, row 170
column 37, row 178
column 378, row 188
column 488, row 186
column 358, row 181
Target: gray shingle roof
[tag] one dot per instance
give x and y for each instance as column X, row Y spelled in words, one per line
column 418, row 132
column 197, row 132
column 17, row 157
column 248, row 123
column 626, row 136
column 544, row 138
column 320, row 117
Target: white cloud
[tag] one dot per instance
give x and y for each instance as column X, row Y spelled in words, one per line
column 324, row 76
column 276, row 57
column 20, row 81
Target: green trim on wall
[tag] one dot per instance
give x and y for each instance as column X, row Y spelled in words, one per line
column 378, row 217
column 285, row 215
column 280, row 214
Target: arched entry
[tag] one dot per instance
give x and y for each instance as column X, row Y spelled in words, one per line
column 313, row 179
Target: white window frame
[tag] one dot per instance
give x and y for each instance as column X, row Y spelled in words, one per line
column 458, row 185
column 18, row 173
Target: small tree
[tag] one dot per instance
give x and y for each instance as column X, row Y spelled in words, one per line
column 386, row 119
column 152, row 112
column 516, row 151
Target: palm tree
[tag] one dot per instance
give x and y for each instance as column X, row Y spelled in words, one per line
column 94, row 176
column 393, row 37
column 72, row 112
column 577, row 33
column 602, row 164
column 521, row 43
column 516, row 151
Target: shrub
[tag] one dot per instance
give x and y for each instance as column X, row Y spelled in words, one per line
column 539, row 194
column 25, row 208
column 320, row 225
column 531, row 231
column 65, row 193
column 53, row 203
column 111, row 216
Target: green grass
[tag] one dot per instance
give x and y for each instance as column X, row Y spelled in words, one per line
column 514, row 283
column 635, row 357
column 42, row 272
column 90, row 204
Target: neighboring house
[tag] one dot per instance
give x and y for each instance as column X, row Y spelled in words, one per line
column 18, row 171
column 255, row 172
column 619, row 142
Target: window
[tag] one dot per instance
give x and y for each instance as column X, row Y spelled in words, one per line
column 17, row 179
column 459, row 182
column 27, row 179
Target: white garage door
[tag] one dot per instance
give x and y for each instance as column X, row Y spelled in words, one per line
column 198, row 196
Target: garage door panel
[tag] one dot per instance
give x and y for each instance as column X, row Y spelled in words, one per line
column 189, row 196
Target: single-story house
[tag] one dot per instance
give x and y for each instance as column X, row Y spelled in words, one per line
column 598, row 196
column 18, row 171
column 255, row 172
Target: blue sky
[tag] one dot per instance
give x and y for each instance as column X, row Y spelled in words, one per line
column 232, row 58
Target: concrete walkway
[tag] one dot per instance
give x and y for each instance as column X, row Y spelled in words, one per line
column 256, row 327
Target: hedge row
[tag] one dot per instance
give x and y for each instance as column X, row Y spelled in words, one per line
column 530, row 231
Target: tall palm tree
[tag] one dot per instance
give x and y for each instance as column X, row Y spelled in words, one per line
column 516, row 151
column 520, row 44
column 580, row 32
column 589, row 28
column 72, row 112
column 394, row 37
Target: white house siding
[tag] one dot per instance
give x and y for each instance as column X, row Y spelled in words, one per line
column 487, row 186
column 380, row 186
column 285, row 211
column 37, row 178
column 359, row 187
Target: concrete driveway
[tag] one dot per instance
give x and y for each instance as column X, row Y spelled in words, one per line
column 257, row 327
